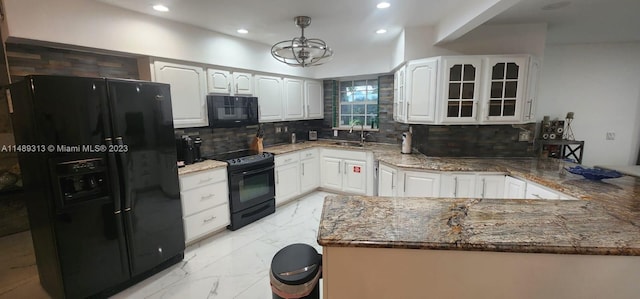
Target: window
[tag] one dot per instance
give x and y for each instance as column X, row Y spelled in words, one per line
column 358, row 103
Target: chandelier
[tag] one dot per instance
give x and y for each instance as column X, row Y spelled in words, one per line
column 301, row 51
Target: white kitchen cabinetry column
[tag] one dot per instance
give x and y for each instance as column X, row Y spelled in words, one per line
column 242, row 84
column 205, row 203
column 461, row 89
column 331, row 173
column 287, row 172
column 490, row 185
column 387, row 180
column 421, row 90
column 294, row 106
column 420, row 184
column 309, row 170
column 227, row 82
column 219, row 81
column 458, row 185
column 514, row 188
column 314, row 99
column 505, row 86
column 529, row 114
column 188, row 92
column 399, row 98
column 348, row 171
column 269, row 93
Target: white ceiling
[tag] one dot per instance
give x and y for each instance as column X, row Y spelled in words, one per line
column 338, row 22
column 344, row 23
column 582, row 21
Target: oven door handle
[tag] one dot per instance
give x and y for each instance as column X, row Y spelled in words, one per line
column 258, row 171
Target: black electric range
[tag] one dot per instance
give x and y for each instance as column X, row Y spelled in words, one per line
column 251, row 179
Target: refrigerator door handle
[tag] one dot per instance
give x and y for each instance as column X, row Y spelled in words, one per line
column 125, row 183
column 113, row 174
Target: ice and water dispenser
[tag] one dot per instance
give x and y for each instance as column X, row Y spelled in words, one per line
column 80, row 180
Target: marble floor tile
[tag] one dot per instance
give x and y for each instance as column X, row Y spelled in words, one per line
column 230, row 264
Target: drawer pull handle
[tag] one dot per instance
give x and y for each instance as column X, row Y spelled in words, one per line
column 205, row 197
column 209, row 219
column 205, row 180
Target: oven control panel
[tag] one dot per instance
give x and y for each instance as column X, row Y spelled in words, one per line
column 250, row 159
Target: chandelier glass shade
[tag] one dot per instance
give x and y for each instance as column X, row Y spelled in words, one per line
column 301, row 51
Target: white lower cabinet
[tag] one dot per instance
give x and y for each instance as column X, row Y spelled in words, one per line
column 458, row 185
column 296, row 174
column 535, row 191
column 347, row 171
column 309, row 170
column 287, row 177
column 407, row 183
column 514, row 188
column 490, row 185
column 205, row 202
column 387, row 181
column 420, row 184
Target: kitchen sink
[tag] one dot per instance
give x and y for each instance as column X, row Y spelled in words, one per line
column 348, row 143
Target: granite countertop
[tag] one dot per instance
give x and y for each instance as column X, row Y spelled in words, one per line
column 503, row 225
column 604, row 221
column 201, row 166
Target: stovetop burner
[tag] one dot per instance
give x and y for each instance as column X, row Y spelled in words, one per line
column 243, row 157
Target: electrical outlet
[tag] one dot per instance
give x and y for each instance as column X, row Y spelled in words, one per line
column 278, row 129
column 524, row 136
column 611, row 135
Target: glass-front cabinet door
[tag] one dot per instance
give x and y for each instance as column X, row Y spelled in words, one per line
column 461, row 89
column 504, row 95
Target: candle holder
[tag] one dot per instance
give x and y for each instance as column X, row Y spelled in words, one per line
column 568, row 133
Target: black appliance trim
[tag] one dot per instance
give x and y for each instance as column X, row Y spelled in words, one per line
column 215, row 122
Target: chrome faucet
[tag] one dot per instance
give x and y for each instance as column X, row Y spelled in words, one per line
column 362, row 137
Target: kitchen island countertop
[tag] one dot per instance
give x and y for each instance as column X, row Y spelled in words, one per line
column 604, row 221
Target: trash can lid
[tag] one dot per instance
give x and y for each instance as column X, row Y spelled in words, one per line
column 296, row 264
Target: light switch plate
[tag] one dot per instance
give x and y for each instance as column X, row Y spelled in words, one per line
column 524, row 136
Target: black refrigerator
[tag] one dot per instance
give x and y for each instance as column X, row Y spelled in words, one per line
column 98, row 161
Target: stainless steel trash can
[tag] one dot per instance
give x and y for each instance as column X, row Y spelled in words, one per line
column 295, row 272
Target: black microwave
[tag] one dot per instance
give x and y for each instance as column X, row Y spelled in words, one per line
column 228, row 111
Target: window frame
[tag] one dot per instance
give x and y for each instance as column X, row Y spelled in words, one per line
column 339, row 103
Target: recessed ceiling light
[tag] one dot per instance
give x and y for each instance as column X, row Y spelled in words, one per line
column 556, row 5
column 160, row 7
column 381, row 31
column 383, row 5
column 242, row 31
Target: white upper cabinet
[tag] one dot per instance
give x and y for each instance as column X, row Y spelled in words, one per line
column 188, row 92
column 504, row 92
column 314, row 99
column 472, row 89
column 223, row 81
column 268, row 89
column 219, row 81
column 421, row 90
column 243, row 83
column 399, row 103
column 461, row 89
column 532, row 90
column 294, row 106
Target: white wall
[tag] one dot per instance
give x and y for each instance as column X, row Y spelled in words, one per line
column 95, row 25
column 502, row 39
column 601, row 84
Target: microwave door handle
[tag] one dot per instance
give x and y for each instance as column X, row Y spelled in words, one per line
column 258, row 171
